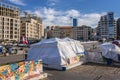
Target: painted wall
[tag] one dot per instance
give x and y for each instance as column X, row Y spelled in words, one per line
column 21, row 70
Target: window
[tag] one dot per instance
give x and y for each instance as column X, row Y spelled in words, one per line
column 15, row 36
column 15, row 32
column 15, row 28
column 15, row 24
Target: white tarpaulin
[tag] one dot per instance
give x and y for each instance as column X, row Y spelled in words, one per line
column 55, row 51
column 110, row 50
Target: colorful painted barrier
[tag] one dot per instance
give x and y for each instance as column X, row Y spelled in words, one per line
column 76, row 59
column 73, row 60
column 21, row 71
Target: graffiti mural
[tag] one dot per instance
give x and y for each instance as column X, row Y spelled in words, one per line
column 21, row 70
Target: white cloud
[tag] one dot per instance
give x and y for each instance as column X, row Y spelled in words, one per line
column 18, row 2
column 51, row 17
column 90, row 19
column 73, row 13
column 52, row 2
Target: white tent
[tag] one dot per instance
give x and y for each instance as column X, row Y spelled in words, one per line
column 55, row 51
column 110, row 50
column 1, row 47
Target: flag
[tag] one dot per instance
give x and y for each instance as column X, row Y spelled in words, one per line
column 24, row 40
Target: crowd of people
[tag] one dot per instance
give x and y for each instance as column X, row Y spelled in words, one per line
column 4, row 50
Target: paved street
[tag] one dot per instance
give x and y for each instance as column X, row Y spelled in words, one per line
column 87, row 71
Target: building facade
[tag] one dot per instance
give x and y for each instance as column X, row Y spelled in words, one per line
column 111, row 27
column 115, row 29
column 107, row 26
column 31, row 27
column 77, row 33
column 75, row 23
column 9, row 22
column 61, row 31
column 118, row 28
column 84, row 33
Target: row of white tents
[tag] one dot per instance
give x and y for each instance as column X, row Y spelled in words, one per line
column 56, row 53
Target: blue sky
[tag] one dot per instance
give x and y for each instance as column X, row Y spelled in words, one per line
column 59, row 12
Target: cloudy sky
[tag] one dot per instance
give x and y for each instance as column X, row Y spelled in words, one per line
column 61, row 12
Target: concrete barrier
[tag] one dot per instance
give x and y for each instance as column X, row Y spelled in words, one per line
column 25, row 70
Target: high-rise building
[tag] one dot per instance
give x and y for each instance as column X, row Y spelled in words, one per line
column 31, row 27
column 75, row 23
column 118, row 28
column 102, row 26
column 115, row 29
column 111, row 27
column 106, row 26
column 9, row 22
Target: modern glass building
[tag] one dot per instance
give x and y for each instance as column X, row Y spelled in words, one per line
column 107, row 26
column 75, row 23
column 110, row 20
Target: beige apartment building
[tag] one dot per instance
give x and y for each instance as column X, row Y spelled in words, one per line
column 61, row 31
column 84, row 32
column 78, row 33
column 9, row 22
column 31, row 27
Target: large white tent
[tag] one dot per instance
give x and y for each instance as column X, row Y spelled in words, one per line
column 55, row 51
column 110, row 51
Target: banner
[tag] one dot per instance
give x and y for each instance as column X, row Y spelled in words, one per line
column 73, row 60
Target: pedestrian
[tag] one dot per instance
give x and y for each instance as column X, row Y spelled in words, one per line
column 16, row 51
column 108, row 60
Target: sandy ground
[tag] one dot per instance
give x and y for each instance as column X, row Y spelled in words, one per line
column 88, row 71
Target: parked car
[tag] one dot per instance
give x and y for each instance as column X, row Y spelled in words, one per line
column 21, row 45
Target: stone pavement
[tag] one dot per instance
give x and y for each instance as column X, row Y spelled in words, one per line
column 88, row 71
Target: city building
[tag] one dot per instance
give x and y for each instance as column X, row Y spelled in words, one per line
column 107, row 26
column 9, row 22
column 31, row 27
column 115, row 29
column 96, row 30
column 118, row 28
column 84, row 32
column 61, row 31
column 75, row 23
column 77, row 33
column 47, row 32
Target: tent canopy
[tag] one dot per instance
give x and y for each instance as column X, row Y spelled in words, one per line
column 110, row 50
column 55, row 51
